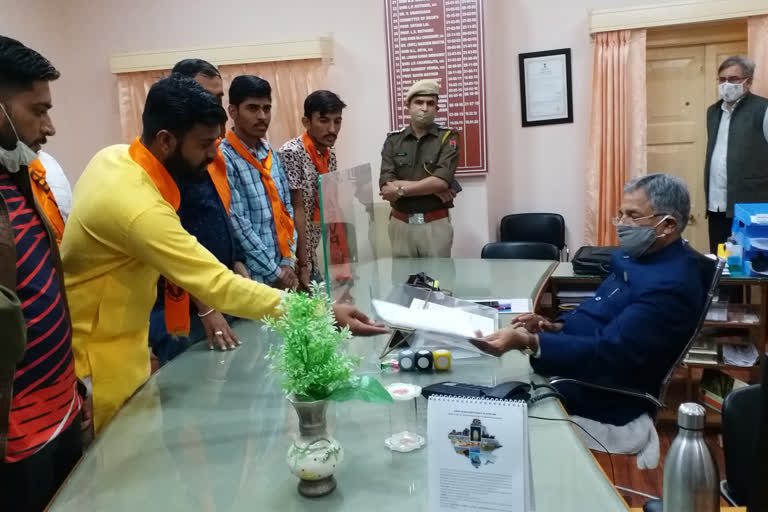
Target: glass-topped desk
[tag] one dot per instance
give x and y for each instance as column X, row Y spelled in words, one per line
column 210, row 430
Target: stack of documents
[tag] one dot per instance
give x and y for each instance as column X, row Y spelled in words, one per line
column 703, row 351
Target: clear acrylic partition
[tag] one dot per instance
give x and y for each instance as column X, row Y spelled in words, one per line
column 349, row 227
column 357, row 240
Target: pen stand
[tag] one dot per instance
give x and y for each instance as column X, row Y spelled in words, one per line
column 403, row 420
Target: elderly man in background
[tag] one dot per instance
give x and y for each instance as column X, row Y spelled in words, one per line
column 737, row 148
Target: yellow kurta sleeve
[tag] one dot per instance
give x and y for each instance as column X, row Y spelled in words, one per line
column 157, row 238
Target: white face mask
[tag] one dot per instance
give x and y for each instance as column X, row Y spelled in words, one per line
column 18, row 157
column 731, row 92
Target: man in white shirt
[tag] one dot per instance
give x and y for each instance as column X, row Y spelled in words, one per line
column 737, row 148
column 58, row 182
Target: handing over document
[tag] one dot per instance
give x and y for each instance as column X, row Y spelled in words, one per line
column 434, row 318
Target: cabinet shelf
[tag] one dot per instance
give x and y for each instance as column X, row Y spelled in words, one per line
column 739, row 315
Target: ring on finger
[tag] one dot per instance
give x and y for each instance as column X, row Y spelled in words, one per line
column 219, row 333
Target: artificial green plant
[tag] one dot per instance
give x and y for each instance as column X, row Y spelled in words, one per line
column 310, row 359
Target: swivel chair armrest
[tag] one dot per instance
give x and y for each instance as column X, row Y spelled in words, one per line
column 621, row 391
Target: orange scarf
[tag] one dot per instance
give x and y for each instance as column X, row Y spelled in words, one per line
column 44, row 197
column 283, row 220
column 218, row 171
column 176, row 300
column 322, row 162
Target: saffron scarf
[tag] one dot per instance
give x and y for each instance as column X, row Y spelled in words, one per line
column 44, row 197
column 283, row 220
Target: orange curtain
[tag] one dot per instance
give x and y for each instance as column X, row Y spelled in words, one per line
column 132, row 89
column 757, row 37
column 291, row 81
column 618, row 128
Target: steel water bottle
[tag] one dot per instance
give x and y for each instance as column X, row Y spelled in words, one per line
column 691, row 480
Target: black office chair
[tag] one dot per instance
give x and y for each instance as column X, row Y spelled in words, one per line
column 534, row 227
column 741, row 421
column 520, row 251
column 709, row 271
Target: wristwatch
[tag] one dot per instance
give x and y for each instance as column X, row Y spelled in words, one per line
column 401, row 191
column 530, row 350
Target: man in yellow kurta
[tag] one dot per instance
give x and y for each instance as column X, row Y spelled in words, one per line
column 123, row 233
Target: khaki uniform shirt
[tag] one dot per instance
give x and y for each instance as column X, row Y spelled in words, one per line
column 405, row 157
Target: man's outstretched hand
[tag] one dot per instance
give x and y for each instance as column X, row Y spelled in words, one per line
column 359, row 324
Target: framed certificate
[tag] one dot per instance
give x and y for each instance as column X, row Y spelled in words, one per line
column 546, row 94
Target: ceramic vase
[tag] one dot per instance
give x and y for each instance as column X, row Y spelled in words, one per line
column 314, row 455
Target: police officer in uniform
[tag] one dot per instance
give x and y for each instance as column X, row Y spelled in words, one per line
column 418, row 164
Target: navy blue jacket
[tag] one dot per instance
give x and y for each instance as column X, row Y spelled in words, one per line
column 628, row 335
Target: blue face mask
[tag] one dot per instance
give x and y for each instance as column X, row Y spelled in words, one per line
column 636, row 240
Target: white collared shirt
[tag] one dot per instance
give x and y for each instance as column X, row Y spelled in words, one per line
column 57, row 180
column 718, row 167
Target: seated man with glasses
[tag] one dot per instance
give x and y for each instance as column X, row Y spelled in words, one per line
column 640, row 319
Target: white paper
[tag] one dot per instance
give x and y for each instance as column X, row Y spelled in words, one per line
column 489, row 472
column 480, row 323
column 516, row 305
column 546, row 94
column 449, row 321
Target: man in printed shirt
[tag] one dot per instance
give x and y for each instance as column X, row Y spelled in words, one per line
column 305, row 158
column 116, row 245
column 40, row 407
column 261, row 210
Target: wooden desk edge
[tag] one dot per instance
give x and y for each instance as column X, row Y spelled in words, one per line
column 543, row 285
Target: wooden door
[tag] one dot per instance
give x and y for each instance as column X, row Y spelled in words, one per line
column 681, row 79
column 677, row 104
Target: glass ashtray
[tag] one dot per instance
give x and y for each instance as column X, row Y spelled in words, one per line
column 404, row 442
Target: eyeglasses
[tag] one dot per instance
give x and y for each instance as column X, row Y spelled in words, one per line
column 632, row 221
column 731, row 79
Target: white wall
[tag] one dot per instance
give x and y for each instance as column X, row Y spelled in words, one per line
column 532, row 169
column 538, row 168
